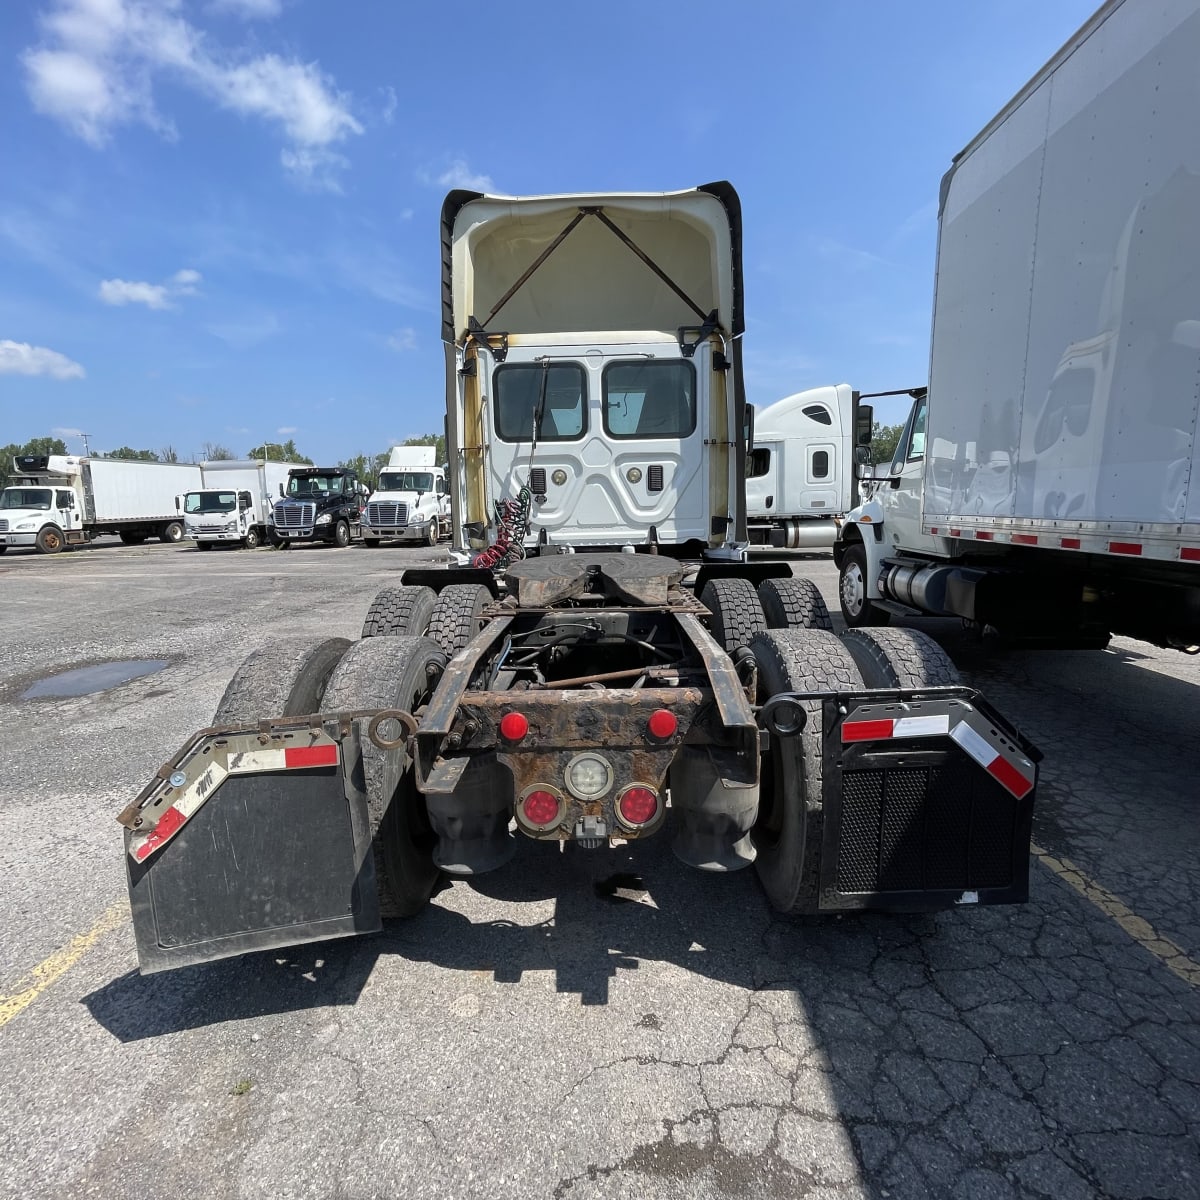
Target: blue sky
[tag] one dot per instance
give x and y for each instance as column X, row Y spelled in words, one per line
column 219, row 218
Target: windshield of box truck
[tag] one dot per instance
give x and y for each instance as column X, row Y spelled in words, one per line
column 314, row 485
column 406, row 481
column 209, row 502
column 25, row 498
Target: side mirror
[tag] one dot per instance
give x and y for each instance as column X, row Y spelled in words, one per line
column 864, row 423
column 863, row 471
column 281, row 489
column 176, row 503
column 862, row 455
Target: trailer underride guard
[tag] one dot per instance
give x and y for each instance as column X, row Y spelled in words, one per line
column 594, row 698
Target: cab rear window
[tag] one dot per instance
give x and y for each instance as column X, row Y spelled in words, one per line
column 554, row 394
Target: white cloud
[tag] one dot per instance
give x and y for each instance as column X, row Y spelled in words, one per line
column 248, row 10
column 458, row 175
column 388, row 113
column 59, row 431
column 403, row 339
column 20, row 358
column 314, row 168
column 288, row 429
column 100, row 60
column 120, row 292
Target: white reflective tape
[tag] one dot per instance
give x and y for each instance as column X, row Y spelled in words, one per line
column 258, row 760
column 921, row 726
column 977, row 747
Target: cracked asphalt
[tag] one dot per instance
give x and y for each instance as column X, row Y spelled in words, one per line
column 585, row 1024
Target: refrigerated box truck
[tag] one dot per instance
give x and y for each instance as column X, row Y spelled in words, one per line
column 1048, row 486
column 59, row 500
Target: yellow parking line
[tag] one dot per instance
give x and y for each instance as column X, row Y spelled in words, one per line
column 58, row 963
column 1142, row 932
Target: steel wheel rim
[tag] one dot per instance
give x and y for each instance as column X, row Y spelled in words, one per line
column 852, row 589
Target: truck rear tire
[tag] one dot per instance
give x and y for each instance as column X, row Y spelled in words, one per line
column 132, row 539
column 787, row 833
column 737, row 614
column 458, row 615
column 172, row 531
column 341, row 535
column 204, row 545
column 858, row 609
column 900, row 658
column 400, row 610
column 393, row 672
column 50, row 539
column 282, row 679
column 793, row 604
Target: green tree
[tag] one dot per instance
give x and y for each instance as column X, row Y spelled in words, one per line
column 43, row 445
column 884, row 439
column 135, row 455
column 279, row 452
column 168, row 454
column 215, row 452
column 429, row 439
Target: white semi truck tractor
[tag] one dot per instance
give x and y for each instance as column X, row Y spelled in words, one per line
column 602, row 662
column 412, row 501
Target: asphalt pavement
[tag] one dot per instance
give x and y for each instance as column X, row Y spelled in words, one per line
column 584, row 1024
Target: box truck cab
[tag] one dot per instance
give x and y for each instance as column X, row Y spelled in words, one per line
column 39, row 516
column 412, row 502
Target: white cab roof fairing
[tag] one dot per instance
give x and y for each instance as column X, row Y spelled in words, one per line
column 786, row 418
column 413, row 458
column 592, row 281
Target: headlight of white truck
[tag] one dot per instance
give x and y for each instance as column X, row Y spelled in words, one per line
column 415, row 518
column 324, row 519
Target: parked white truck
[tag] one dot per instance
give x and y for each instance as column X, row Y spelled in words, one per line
column 602, row 663
column 235, row 503
column 61, row 500
column 1048, row 487
column 412, row 502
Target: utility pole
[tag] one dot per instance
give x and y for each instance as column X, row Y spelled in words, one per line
column 87, row 451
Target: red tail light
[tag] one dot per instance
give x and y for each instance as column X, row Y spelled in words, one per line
column 513, row 726
column 662, row 723
column 540, row 808
column 637, row 805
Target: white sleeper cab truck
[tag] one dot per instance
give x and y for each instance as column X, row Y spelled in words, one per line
column 60, row 500
column 412, row 502
column 235, row 507
column 602, row 663
column 1048, row 486
column 800, row 477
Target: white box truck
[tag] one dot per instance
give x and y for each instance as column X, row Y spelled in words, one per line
column 234, row 504
column 412, row 502
column 62, row 500
column 1048, row 486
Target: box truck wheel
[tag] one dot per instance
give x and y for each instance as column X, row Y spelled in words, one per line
column 341, row 535
column 393, row 672
column 900, row 658
column 787, row 833
column 458, row 615
column 399, row 610
column 857, row 606
column 250, row 541
column 204, row 545
column 737, row 614
column 281, row 679
column 50, row 539
column 172, row 531
column 793, row 604
column 132, row 539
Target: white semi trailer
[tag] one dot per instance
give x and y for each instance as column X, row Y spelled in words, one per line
column 61, row 500
column 1048, row 486
column 235, row 503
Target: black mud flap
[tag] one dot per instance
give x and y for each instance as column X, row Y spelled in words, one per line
column 250, row 841
column 928, row 804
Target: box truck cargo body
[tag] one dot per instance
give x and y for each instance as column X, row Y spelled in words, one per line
column 1049, row 484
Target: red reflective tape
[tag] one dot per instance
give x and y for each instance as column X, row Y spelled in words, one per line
column 1025, row 539
column 1190, row 553
column 933, row 529
column 1070, row 543
column 982, row 535
column 310, row 756
column 1010, row 777
column 866, row 731
column 168, row 824
column 1125, row 547
column 956, row 533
